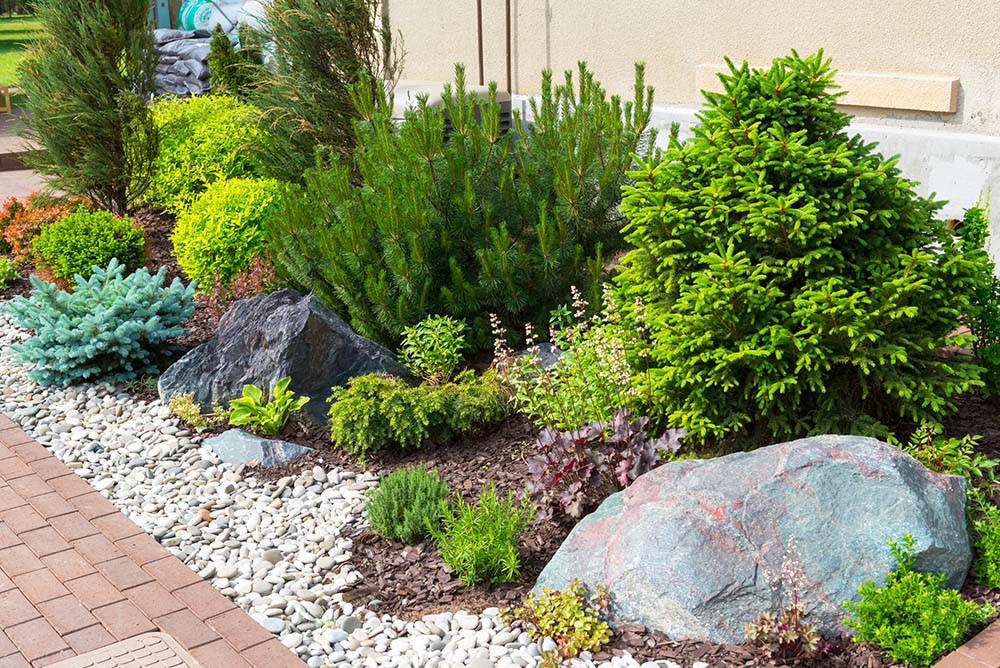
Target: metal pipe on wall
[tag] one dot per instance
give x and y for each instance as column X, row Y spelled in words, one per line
column 479, row 27
column 510, row 87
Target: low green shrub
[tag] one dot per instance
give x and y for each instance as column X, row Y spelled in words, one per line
column 251, row 410
column 85, row 239
column 985, row 526
column 203, row 139
column 954, row 456
column 8, row 272
column 914, row 617
column 479, row 541
column 377, row 411
column 223, row 230
column 568, row 617
column 794, row 281
column 406, row 505
column 432, row 349
column 112, row 325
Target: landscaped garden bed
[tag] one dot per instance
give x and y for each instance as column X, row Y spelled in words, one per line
column 554, row 356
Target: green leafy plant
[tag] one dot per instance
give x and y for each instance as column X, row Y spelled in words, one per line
column 320, row 48
column 87, row 80
column 203, row 139
column 85, row 239
column 112, row 325
column 8, row 272
column 460, row 222
column 595, row 373
column 913, row 617
column 479, row 541
column 794, row 282
column 269, row 417
column 406, row 505
column 432, row 349
column 223, row 230
column 955, row 456
column 572, row 620
column 377, row 411
column 984, row 309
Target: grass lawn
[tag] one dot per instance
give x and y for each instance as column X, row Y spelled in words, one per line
column 15, row 31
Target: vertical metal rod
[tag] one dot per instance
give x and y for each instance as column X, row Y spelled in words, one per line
column 510, row 87
column 479, row 26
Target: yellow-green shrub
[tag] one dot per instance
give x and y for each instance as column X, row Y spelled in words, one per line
column 203, row 139
column 224, row 229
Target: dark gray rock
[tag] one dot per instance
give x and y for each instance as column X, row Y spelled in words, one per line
column 267, row 337
column 236, row 446
column 684, row 549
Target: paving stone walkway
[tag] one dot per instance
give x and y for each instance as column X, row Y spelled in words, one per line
column 77, row 575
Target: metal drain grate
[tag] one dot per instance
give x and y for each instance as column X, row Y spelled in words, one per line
column 150, row 650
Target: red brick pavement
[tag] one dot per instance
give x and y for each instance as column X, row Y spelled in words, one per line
column 77, row 575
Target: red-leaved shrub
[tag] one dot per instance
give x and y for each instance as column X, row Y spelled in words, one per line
column 257, row 279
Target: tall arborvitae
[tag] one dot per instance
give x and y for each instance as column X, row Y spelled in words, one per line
column 320, row 48
column 87, row 82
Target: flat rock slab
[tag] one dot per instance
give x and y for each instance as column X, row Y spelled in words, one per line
column 151, row 650
column 686, row 549
column 239, row 447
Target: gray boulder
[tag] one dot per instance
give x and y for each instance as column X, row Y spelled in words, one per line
column 236, row 446
column 685, row 548
column 267, row 337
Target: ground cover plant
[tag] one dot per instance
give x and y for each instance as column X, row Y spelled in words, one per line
column 8, row 272
column 570, row 618
column 111, row 326
column 86, row 82
column 914, row 617
column 84, row 239
column 223, row 230
column 486, row 220
column 794, row 281
column 203, row 139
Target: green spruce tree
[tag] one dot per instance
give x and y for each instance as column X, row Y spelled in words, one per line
column 793, row 281
column 87, row 82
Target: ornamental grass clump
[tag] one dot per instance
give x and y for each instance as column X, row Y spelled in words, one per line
column 406, row 505
column 794, row 281
column 111, row 327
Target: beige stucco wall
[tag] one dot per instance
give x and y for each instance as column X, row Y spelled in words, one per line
column 949, row 38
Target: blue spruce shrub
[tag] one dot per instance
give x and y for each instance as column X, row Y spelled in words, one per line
column 109, row 327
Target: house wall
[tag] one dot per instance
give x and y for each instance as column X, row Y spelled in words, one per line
column 924, row 76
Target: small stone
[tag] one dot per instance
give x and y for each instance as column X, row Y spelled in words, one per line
column 272, row 556
column 349, row 624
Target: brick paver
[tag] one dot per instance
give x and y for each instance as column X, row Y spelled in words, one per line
column 77, row 575
column 983, row 651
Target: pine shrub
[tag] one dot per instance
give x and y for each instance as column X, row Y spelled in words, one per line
column 320, row 48
column 233, row 72
column 407, row 504
column 111, row 327
column 794, row 281
column 485, row 220
column 87, row 80
column 203, row 139
column 82, row 240
column 223, row 230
